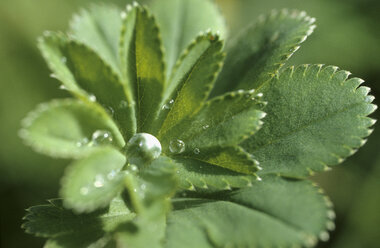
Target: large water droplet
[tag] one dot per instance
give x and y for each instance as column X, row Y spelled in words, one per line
column 142, row 148
column 177, row 146
column 101, row 137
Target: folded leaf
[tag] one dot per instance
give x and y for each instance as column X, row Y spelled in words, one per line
column 67, row 229
column 69, row 129
column 316, row 118
column 223, row 121
column 182, row 20
column 201, row 176
column 273, row 213
column 142, row 63
column 99, row 28
column 92, row 182
column 191, row 82
column 257, row 54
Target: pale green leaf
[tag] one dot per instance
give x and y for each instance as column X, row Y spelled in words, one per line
column 273, row 213
column 67, row 229
column 92, row 182
column 81, row 70
column 257, row 54
column 142, row 63
column 182, row 20
column 65, row 128
column 201, row 176
column 191, row 80
column 316, row 118
column 99, row 28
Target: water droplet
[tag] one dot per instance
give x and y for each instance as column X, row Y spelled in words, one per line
column 143, row 186
column 168, row 105
column 324, row 236
column 62, row 87
column 84, row 190
column 177, row 146
column 82, row 142
column 101, row 137
column 259, row 95
column 64, row 60
column 99, row 181
column 52, row 75
column 129, row 7
column 123, row 104
column 110, row 111
column 142, row 148
column 92, row 98
column 259, row 167
column 205, row 127
column 197, row 151
column 112, row 175
column 135, row 4
column 123, row 15
column 133, row 168
column 259, row 179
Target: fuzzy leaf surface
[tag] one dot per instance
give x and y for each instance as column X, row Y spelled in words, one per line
column 186, row 19
column 192, row 81
column 316, row 118
column 142, row 64
column 67, row 229
column 257, row 54
column 64, row 128
column 99, row 28
column 92, row 182
column 273, row 213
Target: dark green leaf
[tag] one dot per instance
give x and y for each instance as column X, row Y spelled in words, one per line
column 92, row 182
column 273, row 213
column 69, row 128
column 258, row 53
column 142, row 64
column 316, row 118
column 182, row 20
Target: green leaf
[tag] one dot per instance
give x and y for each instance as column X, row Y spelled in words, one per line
column 150, row 196
column 316, row 118
column 191, row 80
column 223, row 121
column 67, row 229
column 142, row 63
column 181, row 20
column 201, row 176
column 276, row 212
column 259, row 52
column 68, row 128
column 92, row 182
column 99, row 28
column 80, row 69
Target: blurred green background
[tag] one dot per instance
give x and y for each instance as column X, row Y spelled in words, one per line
column 347, row 36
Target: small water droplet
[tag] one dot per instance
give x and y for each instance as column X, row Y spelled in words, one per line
column 259, row 167
column 197, row 151
column 259, row 95
column 135, row 4
column 99, row 181
column 177, row 146
column 123, row 15
column 168, row 105
column 111, row 175
column 52, row 75
column 101, row 137
column 133, row 168
column 142, row 148
column 324, row 236
column 64, row 60
column 205, row 127
column 92, row 98
column 62, row 87
column 110, row 111
column 129, row 7
column 259, row 179
column 123, row 104
column 84, row 190
column 82, row 142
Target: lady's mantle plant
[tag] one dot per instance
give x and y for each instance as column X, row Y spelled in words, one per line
column 162, row 160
